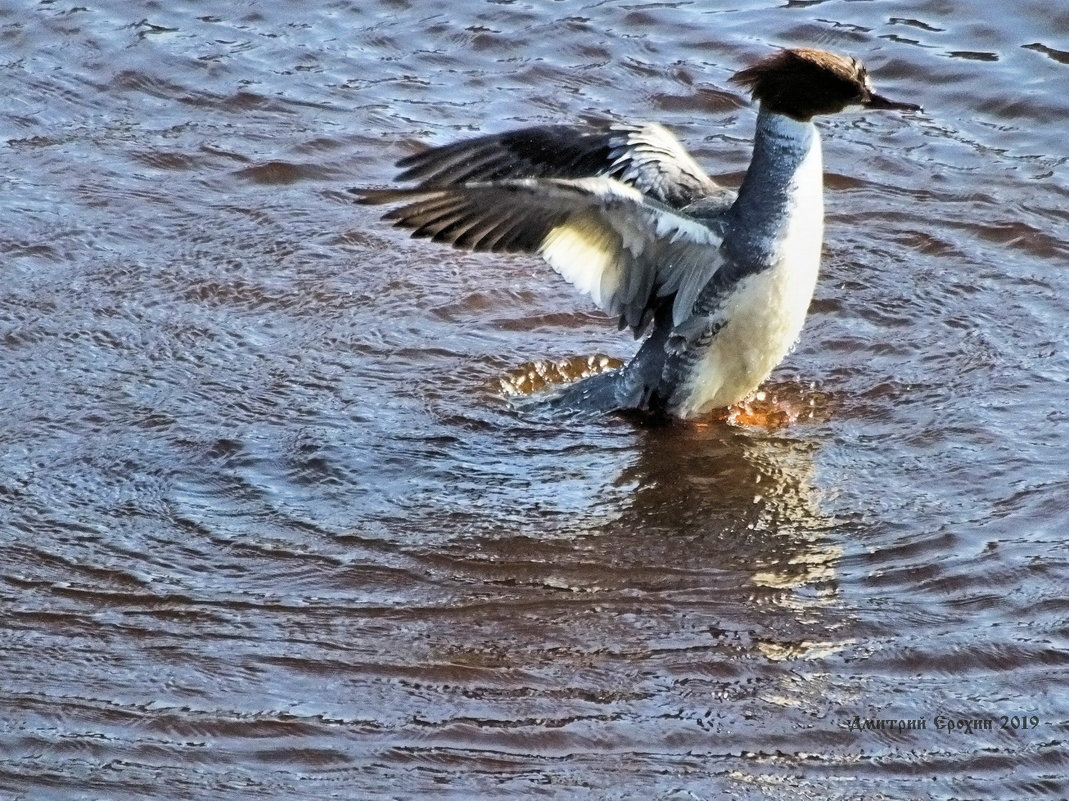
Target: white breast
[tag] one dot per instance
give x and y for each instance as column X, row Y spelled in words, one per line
column 764, row 313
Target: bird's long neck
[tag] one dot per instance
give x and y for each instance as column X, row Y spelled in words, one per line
column 782, row 196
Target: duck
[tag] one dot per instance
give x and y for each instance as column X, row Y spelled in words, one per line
column 718, row 281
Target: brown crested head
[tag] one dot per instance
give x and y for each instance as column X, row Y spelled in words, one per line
column 803, row 83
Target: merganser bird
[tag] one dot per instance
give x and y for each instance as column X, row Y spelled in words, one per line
column 625, row 214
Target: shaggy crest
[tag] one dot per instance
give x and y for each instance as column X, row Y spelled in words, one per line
column 803, row 83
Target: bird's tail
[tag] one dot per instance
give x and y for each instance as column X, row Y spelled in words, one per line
column 598, row 394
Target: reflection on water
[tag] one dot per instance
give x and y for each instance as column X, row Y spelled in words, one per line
column 276, row 522
column 536, row 377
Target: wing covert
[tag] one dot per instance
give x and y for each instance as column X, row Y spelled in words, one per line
column 646, row 156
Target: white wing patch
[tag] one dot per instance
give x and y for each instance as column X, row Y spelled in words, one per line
column 587, row 256
column 625, row 250
column 651, row 158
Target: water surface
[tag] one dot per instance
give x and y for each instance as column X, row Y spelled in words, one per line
column 272, row 529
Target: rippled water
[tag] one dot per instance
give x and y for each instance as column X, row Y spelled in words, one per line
column 272, row 529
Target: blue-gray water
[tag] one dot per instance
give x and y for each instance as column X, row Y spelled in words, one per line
column 270, row 529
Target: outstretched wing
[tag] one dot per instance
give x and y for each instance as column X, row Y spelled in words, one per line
column 626, row 251
column 646, row 156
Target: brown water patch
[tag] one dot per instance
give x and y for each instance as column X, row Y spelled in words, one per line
column 274, row 531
